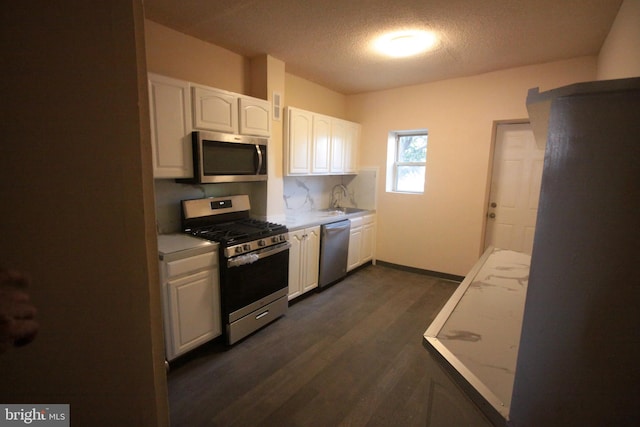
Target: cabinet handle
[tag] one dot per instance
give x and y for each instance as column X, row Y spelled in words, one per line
column 261, row 315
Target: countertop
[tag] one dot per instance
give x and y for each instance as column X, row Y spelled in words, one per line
column 177, row 244
column 313, row 218
column 174, row 244
column 477, row 333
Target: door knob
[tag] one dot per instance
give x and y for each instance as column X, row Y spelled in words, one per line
column 492, row 215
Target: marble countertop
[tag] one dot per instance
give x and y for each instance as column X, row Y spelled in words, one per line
column 177, row 244
column 478, row 330
column 313, row 218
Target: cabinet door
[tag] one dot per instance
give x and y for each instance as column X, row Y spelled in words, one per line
column 311, row 259
column 170, row 117
column 351, row 147
column 215, row 110
column 298, row 141
column 355, row 247
column 338, row 136
column 321, row 144
column 296, row 239
column 194, row 309
column 368, row 239
column 254, row 117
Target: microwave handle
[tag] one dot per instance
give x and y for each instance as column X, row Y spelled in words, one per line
column 259, row 152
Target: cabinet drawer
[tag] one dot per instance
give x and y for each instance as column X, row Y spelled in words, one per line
column 182, row 266
column 356, row 222
column 368, row 219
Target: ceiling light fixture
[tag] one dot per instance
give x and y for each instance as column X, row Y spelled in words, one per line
column 405, row 43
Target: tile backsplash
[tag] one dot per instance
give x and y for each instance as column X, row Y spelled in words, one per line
column 168, row 195
column 302, row 194
column 307, row 193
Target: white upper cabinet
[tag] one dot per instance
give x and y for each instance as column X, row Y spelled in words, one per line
column 178, row 107
column 321, row 144
column 170, row 118
column 254, row 116
column 351, row 147
column 223, row 111
column 298, row 141
column 338, row 135
column 215, row 110
column 316, row 144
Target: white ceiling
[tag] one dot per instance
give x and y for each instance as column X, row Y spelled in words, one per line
column 327, row 41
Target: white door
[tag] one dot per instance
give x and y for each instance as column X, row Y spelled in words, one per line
column 515, row 189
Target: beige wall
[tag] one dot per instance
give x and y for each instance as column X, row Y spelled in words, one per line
column 620, row 53
column 178, row 55
column 271, row 71
column 78, row 217
column 446, row 223
column 301, row 93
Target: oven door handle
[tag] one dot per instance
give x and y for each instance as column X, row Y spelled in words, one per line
column 241, row 260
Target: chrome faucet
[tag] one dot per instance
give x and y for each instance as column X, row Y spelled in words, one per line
column 335, row 201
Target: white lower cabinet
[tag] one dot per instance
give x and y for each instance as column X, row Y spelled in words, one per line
column 191, row 299
column 304, row 260
column 361, row 241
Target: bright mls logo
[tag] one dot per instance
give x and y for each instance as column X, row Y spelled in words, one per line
column 37, row 415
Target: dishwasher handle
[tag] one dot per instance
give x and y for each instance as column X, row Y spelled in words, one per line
column 336, row 227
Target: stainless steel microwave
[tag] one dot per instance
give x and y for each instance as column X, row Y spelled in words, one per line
column 220, row 157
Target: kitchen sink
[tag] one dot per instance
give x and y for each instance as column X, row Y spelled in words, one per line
column 341, row 211
column 351, row 210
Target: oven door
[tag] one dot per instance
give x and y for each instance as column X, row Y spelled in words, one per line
column 254, row 280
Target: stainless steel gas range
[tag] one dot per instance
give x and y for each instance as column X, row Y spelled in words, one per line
column 254, row 261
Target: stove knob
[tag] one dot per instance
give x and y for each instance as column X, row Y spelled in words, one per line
column 246, row 247
column 274, row 239
column 238, row 250
column 283, row 237
column 262, row 243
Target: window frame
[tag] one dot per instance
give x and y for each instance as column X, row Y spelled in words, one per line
column 397, row 163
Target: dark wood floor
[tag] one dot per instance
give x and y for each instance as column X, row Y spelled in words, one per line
column 351, row 355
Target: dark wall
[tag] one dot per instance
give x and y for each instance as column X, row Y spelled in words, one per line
column 579, row 350
column 77, row 210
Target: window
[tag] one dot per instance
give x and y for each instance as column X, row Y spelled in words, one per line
column 407, row 161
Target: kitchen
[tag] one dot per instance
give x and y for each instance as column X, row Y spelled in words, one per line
column 82, row 281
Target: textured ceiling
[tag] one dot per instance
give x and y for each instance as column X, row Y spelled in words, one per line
column 328, row 41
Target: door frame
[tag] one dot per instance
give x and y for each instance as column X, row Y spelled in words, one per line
column 492, row 154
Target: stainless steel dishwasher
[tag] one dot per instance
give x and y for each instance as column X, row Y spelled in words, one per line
column 334, row 249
